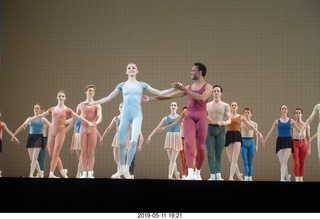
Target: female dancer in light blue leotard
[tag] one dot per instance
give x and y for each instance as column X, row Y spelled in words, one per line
column 132, row 91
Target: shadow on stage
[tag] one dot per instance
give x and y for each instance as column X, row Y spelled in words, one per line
column 146, row 195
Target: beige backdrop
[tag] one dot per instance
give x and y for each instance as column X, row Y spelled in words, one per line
column 263, row 53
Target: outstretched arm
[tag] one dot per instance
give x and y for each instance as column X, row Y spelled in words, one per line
column 200, row 97
column 107, row 130
column 140, row 142
column 312, row 138
column 294, row 125
column 175, row 94
column 71, row 124
column 113, row 94
column 46, row 113
column 160, row 129
column 45, row 121
column 252, row 127
column 274, row 125
column 74, row 115
column 158, row 92
column 68, row 121
column 4, row 126
column 99, row 135
column 162, row 122
column 257, row 141
column 23, row 126
column 309, row 120
column 308, row 137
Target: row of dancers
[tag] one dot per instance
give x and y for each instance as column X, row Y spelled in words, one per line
column 213, row 125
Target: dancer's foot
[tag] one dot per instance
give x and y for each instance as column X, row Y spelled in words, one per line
column 119, row 173
column 240, row 176
column 64, row 173
column 177, row 175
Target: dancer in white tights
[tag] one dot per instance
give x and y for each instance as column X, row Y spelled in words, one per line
column 173, row 141
column 284, row 144
column 234, row 139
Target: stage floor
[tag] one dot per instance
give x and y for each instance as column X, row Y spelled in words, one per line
column 147, row 195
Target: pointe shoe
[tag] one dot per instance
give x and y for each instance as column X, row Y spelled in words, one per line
column 119, row 173
column 218, row 177
column 170, row 178
column 64, row 173
column 177, row 175
column 212, row 177
column 53, row 176
column 240, row 176
column 40, row 175
column 288, row 178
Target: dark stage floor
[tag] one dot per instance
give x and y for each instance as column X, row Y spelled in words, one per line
column 145, row 195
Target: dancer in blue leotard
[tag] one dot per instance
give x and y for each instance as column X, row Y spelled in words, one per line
column 284, row 144
column 132, row 91
column 35, row 139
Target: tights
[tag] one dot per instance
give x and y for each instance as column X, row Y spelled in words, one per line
column 215, row 144
column 299, row 156
column 131, row 114
column 247, row 154
column 283, row 156
column 195, row 129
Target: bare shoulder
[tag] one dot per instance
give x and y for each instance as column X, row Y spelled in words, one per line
column 98, row 106
column 209, row 86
